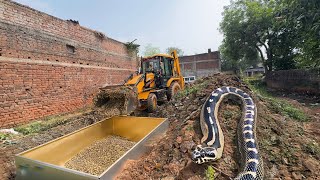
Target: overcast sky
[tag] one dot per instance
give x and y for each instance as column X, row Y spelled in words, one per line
column 191, row 25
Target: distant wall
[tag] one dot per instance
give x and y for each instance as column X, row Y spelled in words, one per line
column 299, row 80
column 200, row 65
column 49, row 65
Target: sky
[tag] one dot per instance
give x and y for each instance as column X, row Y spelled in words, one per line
column 191, row 25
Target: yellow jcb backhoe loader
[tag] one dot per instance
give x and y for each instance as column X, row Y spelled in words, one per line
column 159, row 77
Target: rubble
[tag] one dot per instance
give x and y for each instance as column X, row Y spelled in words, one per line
column 173, row 152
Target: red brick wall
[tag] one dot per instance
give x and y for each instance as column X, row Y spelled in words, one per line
column 29, row 91
column 200, row 64
column 208, row 65
column 187, row 67
column 41, row 76
column 205, row 56
column 295, row 80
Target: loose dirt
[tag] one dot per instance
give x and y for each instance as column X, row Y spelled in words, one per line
column 283, row 142
column 115, row 99
column 100, row 155
column 290, row 149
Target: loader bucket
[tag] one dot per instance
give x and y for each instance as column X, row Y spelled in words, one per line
column 48, row 161
column 120, row 97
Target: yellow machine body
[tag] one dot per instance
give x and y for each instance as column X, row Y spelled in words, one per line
column 158, row 78
column 145, row 81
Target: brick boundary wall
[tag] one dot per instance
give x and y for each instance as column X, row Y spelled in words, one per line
column 49, row 66
column 298, row 80
column 200, row 65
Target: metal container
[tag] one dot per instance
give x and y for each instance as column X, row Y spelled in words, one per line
column 47, row 161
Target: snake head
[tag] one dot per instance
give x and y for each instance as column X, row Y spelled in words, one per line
column 203, row 154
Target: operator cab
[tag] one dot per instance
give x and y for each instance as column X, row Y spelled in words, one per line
column 161, row 66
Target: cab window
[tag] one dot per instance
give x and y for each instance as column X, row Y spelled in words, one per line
column 167, row 63
column 150, row 65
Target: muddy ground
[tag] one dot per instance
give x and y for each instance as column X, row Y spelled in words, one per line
column 288, row 147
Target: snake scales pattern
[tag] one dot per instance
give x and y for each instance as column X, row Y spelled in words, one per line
column 250, row 160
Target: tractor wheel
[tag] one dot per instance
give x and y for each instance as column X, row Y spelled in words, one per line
column 152, row 102
column 173, row 89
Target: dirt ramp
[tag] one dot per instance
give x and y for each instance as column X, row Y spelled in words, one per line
column 170, row 157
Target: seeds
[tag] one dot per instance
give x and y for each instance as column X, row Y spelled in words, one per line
column 100, row 155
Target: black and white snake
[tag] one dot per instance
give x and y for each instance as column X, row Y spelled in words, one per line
column 251, row 162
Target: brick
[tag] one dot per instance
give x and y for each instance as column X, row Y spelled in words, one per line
column 37, row 90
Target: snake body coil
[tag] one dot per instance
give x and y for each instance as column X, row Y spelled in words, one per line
column 250, row 161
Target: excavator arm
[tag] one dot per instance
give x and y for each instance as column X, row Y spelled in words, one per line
column 177, row 68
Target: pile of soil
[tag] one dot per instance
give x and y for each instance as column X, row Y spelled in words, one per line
column 283, row 142
column 115, row 99
column 100, row 155
column 289, row 148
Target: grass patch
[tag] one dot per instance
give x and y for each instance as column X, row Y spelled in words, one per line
column 284, row 108
column 47, row 123
column 210, row 173
column 5, row 136
column 192, row 89
column 279, row 106
column 32, row 127
column 312, row 148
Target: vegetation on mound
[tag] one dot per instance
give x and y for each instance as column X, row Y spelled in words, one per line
column 210, row 173
column 47, row 123
column 5, row 136
column 191, row 89
column 275, row 104
column 313, row 148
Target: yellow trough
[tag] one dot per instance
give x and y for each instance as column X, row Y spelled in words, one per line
column 47, row 161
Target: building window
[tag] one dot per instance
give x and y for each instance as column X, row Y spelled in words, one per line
column 71, row 49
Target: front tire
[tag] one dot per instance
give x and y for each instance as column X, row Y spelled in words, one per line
column 152, row 102
column 173, row 89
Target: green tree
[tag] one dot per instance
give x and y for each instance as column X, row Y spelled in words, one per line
column 285, row 33
column 179, row 51
column 249, row 27
column 230, row 55
column 303, row 17
column 150, row 50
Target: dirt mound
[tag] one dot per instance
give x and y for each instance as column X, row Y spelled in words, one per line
column 289, row 148
column 282, row 141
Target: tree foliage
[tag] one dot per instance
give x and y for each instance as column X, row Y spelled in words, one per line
column 150, row 50
column 303, row 16
column 179, row 51
column 270, row 29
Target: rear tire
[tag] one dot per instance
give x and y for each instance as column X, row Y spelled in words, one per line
column 173, row 89
column 152, row 102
